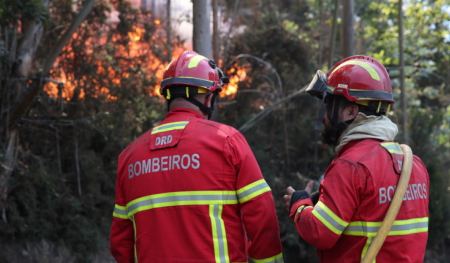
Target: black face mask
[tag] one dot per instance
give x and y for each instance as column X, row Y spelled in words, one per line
column 335, row 128
column 331, row 133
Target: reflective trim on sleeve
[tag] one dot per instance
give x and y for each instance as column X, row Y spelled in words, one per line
column 120, row 211
column 179, row 125
column 399, row 227
column 275, row 259
column 219, row 234
column 181, row 198
column 252, row 190
column 333, row 222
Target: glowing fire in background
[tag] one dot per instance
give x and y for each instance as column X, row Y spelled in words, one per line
column 135, row 47
column 128, row 55
column 236, row 74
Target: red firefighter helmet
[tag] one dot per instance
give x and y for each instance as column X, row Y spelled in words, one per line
column 359, row 79
column 194, row 71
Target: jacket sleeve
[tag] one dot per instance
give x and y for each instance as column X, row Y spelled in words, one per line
column 256, row 203
column 321, row 225
column 122, row 233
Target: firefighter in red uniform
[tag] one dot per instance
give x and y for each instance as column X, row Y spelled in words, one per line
column 361, row 180
column 190, row 190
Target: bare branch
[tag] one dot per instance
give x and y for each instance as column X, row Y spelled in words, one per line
column 25, row 101
column 51, row 57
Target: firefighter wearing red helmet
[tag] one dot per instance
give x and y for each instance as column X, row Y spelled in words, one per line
column 343, row 217
column 190, row 189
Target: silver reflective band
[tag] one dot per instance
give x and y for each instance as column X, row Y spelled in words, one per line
column 400, row 227
column 329, row 219
column 219, row 235
column 255, row 189
column 120, row 212
column 181, row 198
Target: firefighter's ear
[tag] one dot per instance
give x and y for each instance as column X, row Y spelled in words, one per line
column 349, row 112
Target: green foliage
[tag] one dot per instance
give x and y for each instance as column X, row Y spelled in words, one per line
column 63, row 189
column 61, row 194
column 13, row 11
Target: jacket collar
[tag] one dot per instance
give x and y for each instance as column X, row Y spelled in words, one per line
column 185, row 112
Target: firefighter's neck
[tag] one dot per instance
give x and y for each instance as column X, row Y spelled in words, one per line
column 182, row 103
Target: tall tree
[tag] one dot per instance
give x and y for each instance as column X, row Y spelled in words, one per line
column 348, row 45
column 402, row 74
column 333, row 33
column 202, row 33
column 169, row 30
column 23, row 80
column 216, row 33
column 144, row 5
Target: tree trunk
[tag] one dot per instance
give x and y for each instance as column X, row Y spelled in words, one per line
column 216, row 33
column 348, row 45
column 144, row 5
column 333, row 34
column 169, row 30
column 403, row 96
column 8, row 164
column 319, row 58
column 202, row 33
column 24, row 92
column 153, row 9
column 77, row 165
column 25, row 100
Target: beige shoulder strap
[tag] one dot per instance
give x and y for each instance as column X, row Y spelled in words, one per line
column 393, row 208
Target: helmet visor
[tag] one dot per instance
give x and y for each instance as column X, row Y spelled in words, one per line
column 318, row 85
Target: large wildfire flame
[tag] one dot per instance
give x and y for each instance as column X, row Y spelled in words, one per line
column 135, row 47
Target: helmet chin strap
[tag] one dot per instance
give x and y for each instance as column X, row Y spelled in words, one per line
column 189, row 95
column 202, row 106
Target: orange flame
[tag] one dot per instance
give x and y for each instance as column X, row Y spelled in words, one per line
column 236, row 74
column 137, row 34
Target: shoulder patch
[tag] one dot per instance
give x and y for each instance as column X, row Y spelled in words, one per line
column 167, row 135
column 396, row 153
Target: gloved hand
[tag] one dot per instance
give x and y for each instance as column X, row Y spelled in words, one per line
column 295, row 199
column 297, row 196
column 315, row 197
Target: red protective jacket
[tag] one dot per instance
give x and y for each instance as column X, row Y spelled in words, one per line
column 190, row 190
column 354, row 197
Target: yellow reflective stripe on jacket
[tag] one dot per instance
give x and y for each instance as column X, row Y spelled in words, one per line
column 275, row 259
column 181, row 198
column 219, row 234
column 179, row 125
column 333, row 222
column 392, row 147
column 120, row 211
column 399, row 227
column 135, row 239
column 252, row 190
